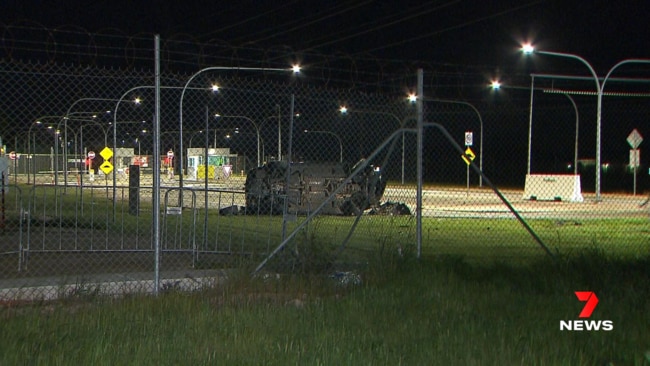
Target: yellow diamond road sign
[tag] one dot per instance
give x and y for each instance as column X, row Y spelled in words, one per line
column 106, row 153
column 106, row 167
column 468, row 154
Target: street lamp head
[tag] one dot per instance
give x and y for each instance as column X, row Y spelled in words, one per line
column 295, row 69
column 527, row 49
column 495, row 84
column 343, row 109
column 215, row 88
column 137, row 101
column 412, row 98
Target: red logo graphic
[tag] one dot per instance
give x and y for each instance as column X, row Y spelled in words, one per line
column 591, row 300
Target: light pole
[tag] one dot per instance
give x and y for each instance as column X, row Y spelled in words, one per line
column 189, row 146
column 528, row 49
column 295, row 69
column 480, row 121
column 400, row 124
column 496, row 85
column 257, row 131
column 39, row 121
column 279, row 118
column 336, row 136
column 600, row 98
column 279, row 133
column 65, row 134
column 155, row 135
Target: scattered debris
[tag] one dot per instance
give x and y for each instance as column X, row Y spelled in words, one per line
column 346, row 278
column 232, row 210
column 391, row 208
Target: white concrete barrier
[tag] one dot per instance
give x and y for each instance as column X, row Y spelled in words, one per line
column 553, row 187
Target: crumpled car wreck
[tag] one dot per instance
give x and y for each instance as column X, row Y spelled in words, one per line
column 309, row 185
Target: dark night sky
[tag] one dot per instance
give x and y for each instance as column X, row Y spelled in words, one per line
column 481, row 33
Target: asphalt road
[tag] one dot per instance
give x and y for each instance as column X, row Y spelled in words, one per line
column 437, row 201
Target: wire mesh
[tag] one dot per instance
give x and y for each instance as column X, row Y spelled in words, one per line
column 268, row 172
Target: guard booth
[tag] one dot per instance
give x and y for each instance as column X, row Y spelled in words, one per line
column 122, row 158
column 219, row 163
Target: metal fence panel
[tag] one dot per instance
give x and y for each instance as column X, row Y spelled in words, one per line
column 77, row 213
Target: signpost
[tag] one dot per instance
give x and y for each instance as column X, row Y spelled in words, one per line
column 469, row 155
column 170, row 168
column 106, row 166
column 634, row 139
column 89, row 164
column 4, row 186
column 469, row 140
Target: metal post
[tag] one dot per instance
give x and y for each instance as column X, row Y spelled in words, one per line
column 180, row 109
column 402, row 156
column 206, row 157
column 530, row 123
column 599, row 89
column 257, row 132
column 420, row 116
column 480, row 121
column 288, row 176
column 155, row 196
column 280, row 133
column 599, row 111
column 575, row 149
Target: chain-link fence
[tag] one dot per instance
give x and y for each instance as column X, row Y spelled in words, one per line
column 263, row 171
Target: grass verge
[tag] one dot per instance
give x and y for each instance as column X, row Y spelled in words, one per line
column 437, row 310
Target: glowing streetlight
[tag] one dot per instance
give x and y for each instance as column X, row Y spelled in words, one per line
column 294, row 69
column 496, row 85
column 413, row 98
column 401, row 123
column 257, row 131
column 529, row 49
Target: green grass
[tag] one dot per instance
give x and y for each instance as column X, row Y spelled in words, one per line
column 478, row 239
column 435, row 311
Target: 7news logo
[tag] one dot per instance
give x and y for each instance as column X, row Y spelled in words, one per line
column 591, row 301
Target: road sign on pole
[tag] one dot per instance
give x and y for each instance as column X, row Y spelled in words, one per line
column 106, row 167
column 469, row 155
column 469, row 138
column 634, row 139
